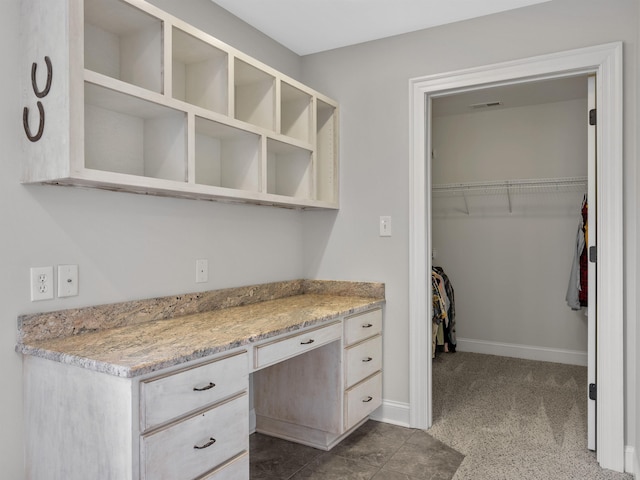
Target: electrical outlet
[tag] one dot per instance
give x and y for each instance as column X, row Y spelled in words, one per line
column 41, row 283
column 67, row 280
column 202, row 270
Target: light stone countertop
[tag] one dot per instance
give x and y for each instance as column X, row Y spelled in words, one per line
column 140, row 348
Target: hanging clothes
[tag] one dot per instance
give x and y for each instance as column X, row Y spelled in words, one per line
column 450, row 325
column 577, row 291
column 584, row 261
column 443, row 302
column 439, row 311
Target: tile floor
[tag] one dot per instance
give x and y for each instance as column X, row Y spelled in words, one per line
column 376, row 451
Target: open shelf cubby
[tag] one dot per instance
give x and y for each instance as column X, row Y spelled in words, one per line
column 147, row 103
column 199, row 72
column 123, row 42
column 254, row 95
column 226, row 156
column 295, row 112
column 125, row 134
column 289, row 170
column 326, row 152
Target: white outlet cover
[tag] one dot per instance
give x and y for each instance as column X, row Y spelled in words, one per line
column 41, row 283
column 67, row 280
column 202, row 270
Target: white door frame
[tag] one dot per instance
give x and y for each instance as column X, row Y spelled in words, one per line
column 606, row 62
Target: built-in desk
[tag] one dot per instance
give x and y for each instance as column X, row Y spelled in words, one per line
column 159, row 389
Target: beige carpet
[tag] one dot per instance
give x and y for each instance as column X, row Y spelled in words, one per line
column 514, row 419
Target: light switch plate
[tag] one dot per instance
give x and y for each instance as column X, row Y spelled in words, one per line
column 385, row 226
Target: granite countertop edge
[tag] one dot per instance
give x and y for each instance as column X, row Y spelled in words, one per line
column 42, row 350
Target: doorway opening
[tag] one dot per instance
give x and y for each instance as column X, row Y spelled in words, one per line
column 605, row 62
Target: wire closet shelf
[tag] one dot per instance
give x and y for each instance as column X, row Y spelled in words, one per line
column 510, row 187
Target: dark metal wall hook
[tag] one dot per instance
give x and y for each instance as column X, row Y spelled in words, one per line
column 25, row 123
column 34, row 67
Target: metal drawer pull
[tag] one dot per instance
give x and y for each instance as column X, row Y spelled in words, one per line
column 368, row 359
column 367, row 325
column 206, row 445
column 368, row 399
column 308, row 342
column 208, row 387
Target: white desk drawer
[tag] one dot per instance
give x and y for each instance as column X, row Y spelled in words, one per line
column 362, row 399
column 362, row 326
column 237, row 469
column 196, row 445
column 173, row 395
column 363, row 360
column 278, row 350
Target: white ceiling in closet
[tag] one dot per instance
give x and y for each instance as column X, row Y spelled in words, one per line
column 509, row 96
column 311, row 26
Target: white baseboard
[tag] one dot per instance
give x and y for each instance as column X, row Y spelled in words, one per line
column 396, row 413
column 527, row 352
column 631, row 461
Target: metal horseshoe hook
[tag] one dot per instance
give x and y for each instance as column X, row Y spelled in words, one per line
column 25, row 123
column 34, row 67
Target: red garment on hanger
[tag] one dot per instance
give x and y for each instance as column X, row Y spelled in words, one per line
column 583, row 294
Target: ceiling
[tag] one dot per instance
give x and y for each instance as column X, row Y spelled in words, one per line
column 311, row 26
column 510, row 96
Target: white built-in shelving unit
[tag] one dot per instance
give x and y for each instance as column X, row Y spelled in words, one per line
column 141, row 101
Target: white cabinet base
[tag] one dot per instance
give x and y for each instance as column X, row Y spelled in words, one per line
column 78, row 423
column 300, row 434
column 318, row 398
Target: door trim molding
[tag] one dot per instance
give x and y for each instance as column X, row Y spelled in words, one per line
column 606, row 62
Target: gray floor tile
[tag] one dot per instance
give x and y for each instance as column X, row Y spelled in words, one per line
column 389, row 475
column 333, row 467
column 375, row 451
column 272, row 458
column 373, row 445
column 435, row 462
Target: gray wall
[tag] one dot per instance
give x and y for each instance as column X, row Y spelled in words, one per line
column 371, row 83
column 132, row 246
column 633, row 331
column 127, row 246
column 210, row 18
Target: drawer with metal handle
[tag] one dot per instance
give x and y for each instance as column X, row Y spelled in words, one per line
column 362, row 399
column 290, row 346
column 237, row 468
column 361, row 326
column 362, row 360
column 179, row 393
column 198, row 444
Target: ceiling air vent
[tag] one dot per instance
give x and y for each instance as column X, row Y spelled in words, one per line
column 485, row 105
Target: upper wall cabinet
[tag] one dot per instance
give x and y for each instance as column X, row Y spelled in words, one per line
column 121, row 95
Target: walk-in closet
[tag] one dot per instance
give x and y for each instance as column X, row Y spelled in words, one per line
column 509, row 175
